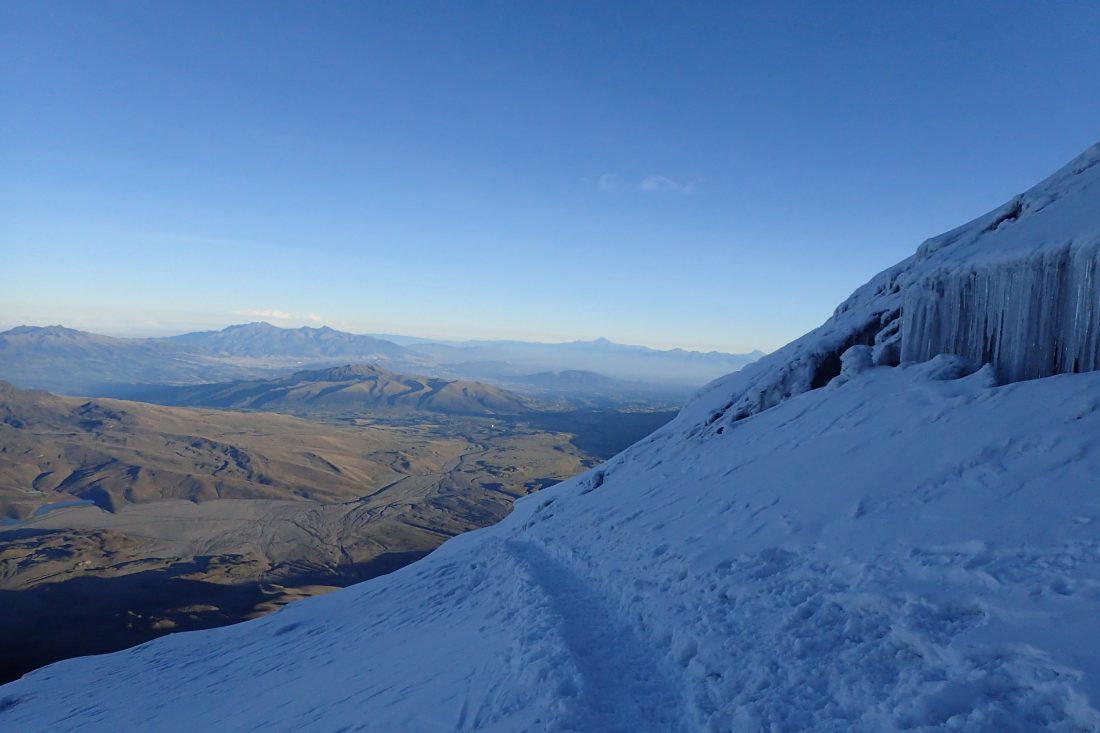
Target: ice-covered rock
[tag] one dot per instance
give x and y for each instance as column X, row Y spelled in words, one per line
column 855, row 360
column 1016, row 287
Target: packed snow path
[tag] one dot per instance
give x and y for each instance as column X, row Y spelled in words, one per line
column 620, row 680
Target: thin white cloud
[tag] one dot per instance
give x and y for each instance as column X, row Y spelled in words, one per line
column 265, row 313
column 662, row 184
column 314, row 317
column 609, row 183
column 654, row 183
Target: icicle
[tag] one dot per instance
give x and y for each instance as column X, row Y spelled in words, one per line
column 1030, row 318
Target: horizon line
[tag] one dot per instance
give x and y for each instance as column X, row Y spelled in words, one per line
column 382, row 335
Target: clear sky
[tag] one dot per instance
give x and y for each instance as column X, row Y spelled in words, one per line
column 672, row 174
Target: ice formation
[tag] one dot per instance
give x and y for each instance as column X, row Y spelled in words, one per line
column 1016, row 288
column 1030, row 318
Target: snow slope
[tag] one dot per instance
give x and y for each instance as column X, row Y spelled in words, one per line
column 1032, row 325
column 911, row 547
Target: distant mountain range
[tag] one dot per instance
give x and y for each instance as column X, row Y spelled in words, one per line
column 359, row 387
column 674, row 367
column 264, row 341
column 76, row 362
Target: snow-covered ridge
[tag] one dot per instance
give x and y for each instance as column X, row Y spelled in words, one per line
column 821, row 542
column 1016, row 288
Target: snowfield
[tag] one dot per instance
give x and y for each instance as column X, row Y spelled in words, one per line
column 823, row 541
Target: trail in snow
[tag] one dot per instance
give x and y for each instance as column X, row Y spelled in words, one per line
column 621, row 681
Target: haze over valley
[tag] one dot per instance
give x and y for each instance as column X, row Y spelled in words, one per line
column 75, row 362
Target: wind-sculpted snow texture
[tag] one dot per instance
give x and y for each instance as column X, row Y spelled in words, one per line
column 907, row 548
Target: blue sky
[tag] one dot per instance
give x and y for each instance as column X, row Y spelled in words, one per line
column 710, row 176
